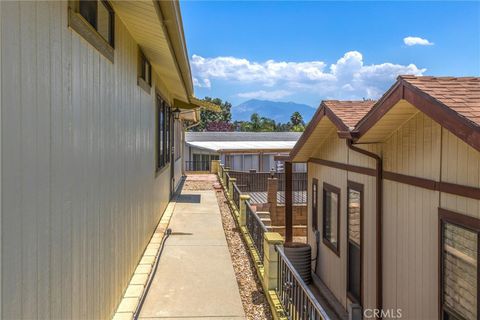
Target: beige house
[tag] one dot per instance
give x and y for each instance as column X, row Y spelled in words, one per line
column 91, row 148
column 394, row 199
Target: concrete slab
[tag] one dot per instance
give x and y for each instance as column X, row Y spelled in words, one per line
column 195, row 277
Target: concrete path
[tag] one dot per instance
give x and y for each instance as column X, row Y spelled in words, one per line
column 195, row 277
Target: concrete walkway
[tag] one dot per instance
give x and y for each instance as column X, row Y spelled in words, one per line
column 195, row 277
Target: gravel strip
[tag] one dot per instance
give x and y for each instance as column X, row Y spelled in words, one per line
column 254, row 301
column 253, row 298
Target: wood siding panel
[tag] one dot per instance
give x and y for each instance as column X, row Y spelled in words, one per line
column 410, row 220
column 330, row 267
column 79, row 195
column 460, row 165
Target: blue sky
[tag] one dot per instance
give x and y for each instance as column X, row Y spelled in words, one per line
column 309, row 51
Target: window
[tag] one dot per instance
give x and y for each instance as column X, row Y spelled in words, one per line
column 354, row 242
column 95, row 21
column 144, row 72
column 315, row 204
column 331, row 217
column 177, row 149
column 459, row 252
column 163, row 137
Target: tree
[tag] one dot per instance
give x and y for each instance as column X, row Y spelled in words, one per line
column 297, row 119
column 215, row 121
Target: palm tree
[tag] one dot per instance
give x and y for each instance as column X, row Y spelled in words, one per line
column 296, row 119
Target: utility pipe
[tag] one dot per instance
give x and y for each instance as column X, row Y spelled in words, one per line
column 379, row 196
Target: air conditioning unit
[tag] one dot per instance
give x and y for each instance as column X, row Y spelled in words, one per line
column 354, row 311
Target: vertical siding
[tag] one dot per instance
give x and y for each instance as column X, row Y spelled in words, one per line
column 79, row 194
column 330, row 268
column 410, row 220
column 460, row 165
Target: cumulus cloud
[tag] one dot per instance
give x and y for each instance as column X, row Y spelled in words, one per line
column 267, row 95
column 412, row 41
column 348, row 78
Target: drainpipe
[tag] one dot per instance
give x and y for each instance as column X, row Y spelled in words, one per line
column 379, row 196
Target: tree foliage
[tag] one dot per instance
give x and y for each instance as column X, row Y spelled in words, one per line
column 222, row 121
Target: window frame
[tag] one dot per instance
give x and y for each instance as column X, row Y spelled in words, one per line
column 358, row 187
column 332, row 189
column 463, row 221
column 314, row 204
column 89, row 32
column 163, row 148
column 142, row 81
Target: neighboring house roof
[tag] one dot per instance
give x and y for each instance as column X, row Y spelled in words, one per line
column 242, row 141
column 452, row 102
column 349, row 112
column 343, row 114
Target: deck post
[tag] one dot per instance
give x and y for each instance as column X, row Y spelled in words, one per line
column 230, row 187
column 224, row 177
column 272, row 192
column 270, row 259
column 288, row 202
column 243, row 208
column 214, row 166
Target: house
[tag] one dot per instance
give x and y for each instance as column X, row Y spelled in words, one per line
column 240, row 151
column 93, row 96
column 394, row 199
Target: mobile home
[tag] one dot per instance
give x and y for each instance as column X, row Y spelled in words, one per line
column 394, row 199
column 91, row 136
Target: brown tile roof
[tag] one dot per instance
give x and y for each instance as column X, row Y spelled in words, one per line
column 459, row 94
column 349, row 112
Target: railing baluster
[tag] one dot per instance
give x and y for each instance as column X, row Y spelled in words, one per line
column 297, row 299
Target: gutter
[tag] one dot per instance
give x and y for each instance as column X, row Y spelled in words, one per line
column 379, row 214
column 167, row 29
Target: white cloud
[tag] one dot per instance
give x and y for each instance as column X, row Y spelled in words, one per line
column 412, row 41
column 202, row 83
column 267, row 95
column 348, row 78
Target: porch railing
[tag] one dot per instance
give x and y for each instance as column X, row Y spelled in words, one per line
column 258, row 181
column 256, row 228
column 197, row 165
column 279, row 278
column 295, row 296
column 236, row 195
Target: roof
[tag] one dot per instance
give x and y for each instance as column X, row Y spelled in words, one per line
column 452, row 102
column 343, row 114
column 349, row 112
column 242, row 141
column 460, row 94
column 242, row 136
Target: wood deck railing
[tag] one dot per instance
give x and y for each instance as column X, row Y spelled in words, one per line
column 258, row 181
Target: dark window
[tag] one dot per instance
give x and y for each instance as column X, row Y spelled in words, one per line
column 145, row 69
column 163, row 136
column 331, row 217
column 99, row 14
column 315, row 204
column 354, row 243
column 459, row 243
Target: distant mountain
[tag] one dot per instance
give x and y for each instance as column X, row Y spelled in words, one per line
column 278, row 111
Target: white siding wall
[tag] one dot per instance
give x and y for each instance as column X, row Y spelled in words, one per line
column 80, row 197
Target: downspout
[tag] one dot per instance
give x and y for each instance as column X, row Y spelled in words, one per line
column 379, row 196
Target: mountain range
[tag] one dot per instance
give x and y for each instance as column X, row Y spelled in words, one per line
column 278, row 111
